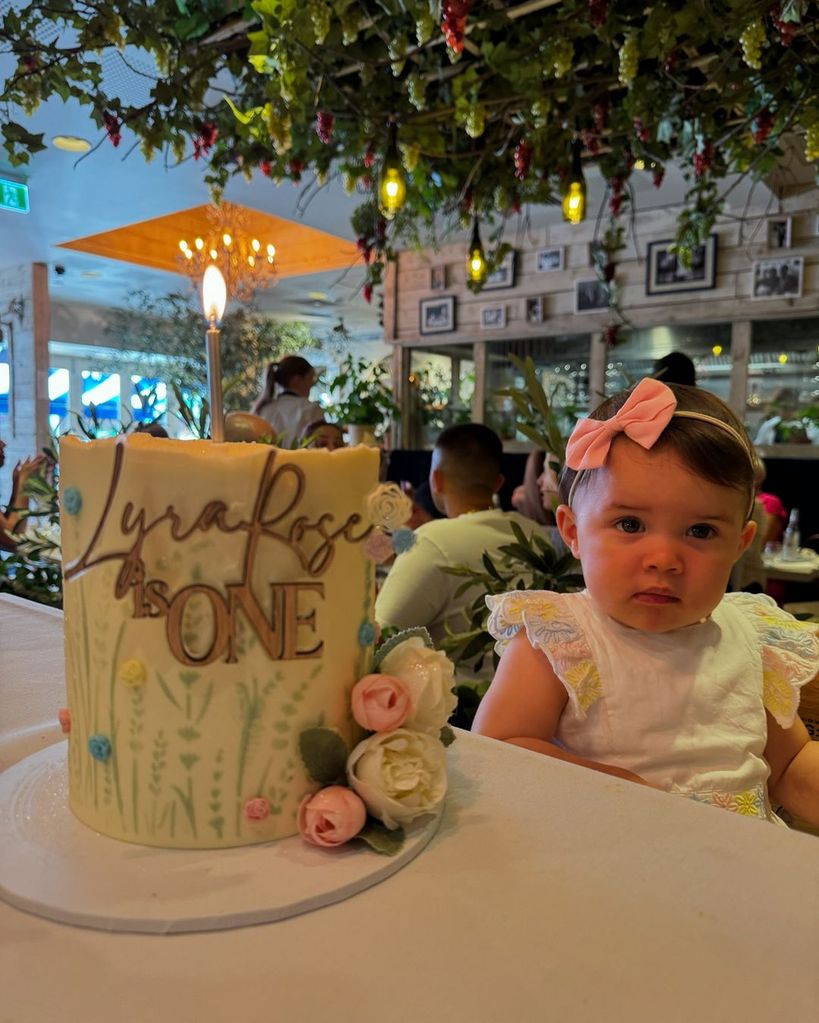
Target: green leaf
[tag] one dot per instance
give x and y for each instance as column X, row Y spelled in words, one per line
column 382, row 840
column 447, row 736
column 399, row 638
column 324, row 753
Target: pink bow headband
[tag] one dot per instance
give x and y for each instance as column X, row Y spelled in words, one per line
column 642, row 418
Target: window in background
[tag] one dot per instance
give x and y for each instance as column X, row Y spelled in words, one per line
column 100, row 401
column 783, row 382
column 562, row 363
column 58, row 400
column 149, row 399
column 442, row 380
column 4, row 382
column 707, row 345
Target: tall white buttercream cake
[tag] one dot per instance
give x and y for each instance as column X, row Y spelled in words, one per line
column 218, row 601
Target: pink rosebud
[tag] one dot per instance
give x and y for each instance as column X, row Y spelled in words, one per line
column 381, row 703
column 64, row 716
column 331, row 817
column 378, row 546
column 257, row 809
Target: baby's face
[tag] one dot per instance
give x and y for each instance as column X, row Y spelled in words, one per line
column 656, row 541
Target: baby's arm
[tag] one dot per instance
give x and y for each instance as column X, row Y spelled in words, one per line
column 794, row 762
column 524, row 704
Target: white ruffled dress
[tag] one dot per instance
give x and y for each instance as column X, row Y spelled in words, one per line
column 685, row 709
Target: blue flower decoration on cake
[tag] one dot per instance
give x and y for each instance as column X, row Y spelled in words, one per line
column 366, row 634
column 99, row 746
column 72, row 501
column 403, row 539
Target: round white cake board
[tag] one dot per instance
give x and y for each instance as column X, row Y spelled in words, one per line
column 54, row 866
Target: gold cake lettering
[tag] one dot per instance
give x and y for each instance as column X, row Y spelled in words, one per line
column 312, row 542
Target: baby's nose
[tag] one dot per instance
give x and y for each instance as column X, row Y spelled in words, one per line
column 663, row 555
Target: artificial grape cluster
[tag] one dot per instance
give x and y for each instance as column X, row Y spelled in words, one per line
column 598, row 9
column 657, row 176
column 281, row 130
column 325, row 123
column 398, row 54
column 562, row 58
column 611, row 335
column 350, row 23
column 204, row 141
column 424, row 27
column 453, row 23
column 812, row 143
column 640, row 130
column 786, row 29
column 319, row 12
column 751, row 40
column 295, row 167
column 702, row 159
column 763, row 124
column 417, row 91
column 616, row 200
column 629, row 59
column 590, row 142
column 600, row 113
column 410, row 155
column 540, row 111
column 112, row 128
column 523, row 159
column 475, row 121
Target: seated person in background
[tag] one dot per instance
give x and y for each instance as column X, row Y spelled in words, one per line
column 464, row 478
column 528, row 497
column 423, row 508
column 776, row 514
column 675, row 368
column 323, row 435
column 13, row 517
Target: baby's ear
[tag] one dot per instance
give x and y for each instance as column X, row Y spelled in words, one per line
column 746, row 536
column 567, row 524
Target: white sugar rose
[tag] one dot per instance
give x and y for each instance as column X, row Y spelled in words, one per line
column 400, row 775
column 429, row 678
column 388, row 506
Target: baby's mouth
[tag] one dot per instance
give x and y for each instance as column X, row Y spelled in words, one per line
column 657, row 596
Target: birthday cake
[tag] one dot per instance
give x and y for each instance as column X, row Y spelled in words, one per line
column 218, row 608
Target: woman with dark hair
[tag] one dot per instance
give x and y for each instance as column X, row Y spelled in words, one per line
column 535, row 497
column 285, row 403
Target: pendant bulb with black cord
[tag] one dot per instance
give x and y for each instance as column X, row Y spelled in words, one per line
column 574, row 195
column 476, row 259
column 392, row 187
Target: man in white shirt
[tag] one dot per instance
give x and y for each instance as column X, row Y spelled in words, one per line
column 464, row 478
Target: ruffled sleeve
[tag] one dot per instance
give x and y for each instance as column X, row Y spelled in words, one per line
column 552, row 628
column 790, row 653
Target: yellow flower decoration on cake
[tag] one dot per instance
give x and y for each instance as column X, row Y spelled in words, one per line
column 132, row 673
column 584, row 678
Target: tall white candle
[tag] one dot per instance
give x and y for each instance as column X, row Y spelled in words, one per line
column 214, row 297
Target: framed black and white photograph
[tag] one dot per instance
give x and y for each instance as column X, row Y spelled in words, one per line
column 779, row 233
column 504, row 276
column 549, row 259
column 437, row 278
column 591, row 296
column 666, row 273
column 437, row 315
column 534, row 310
column 493, row 317
column 778, row 278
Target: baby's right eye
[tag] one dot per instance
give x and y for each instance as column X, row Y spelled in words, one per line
column 629, row 525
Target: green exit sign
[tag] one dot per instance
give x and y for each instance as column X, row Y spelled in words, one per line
column 13, row 196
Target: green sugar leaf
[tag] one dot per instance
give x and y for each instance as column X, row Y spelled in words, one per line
column 324, row 753
column 447, row 736
column 398, row 639
column 381, row 839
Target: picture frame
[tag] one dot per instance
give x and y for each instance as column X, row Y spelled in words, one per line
column 778, row 278
column 534, row 309
column 437, row 315
column 437, row 277
column 504, row 276
column 665, row 274
column 549, row 260
column 493, row 317
column 591, row 296
column 779, row 233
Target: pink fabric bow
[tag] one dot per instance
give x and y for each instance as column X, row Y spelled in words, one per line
column 645, row 414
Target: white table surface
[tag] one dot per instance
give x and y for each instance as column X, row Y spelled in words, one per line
column 550, row 893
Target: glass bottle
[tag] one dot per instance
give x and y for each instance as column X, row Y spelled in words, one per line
column 791, row 539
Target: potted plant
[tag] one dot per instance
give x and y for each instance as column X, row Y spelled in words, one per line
column 362, row 399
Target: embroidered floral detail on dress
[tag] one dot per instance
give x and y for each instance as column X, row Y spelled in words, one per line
column 790, row 653
column 749, row 803
column 550, row 627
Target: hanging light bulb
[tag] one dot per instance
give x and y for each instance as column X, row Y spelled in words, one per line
column 392, row 187
column 574, row 197
column 475, row 258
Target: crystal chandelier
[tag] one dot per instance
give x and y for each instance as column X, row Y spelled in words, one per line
column 246, row 263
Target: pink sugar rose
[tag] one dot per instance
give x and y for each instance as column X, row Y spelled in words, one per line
column 64, row 717
column 331, row 816
column 381, row 703
column 257, row 809
column 378, row 547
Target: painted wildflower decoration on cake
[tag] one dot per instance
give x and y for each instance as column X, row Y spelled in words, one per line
column 397, row 773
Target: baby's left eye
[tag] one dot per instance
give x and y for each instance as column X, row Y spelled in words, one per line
column 702, row 531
